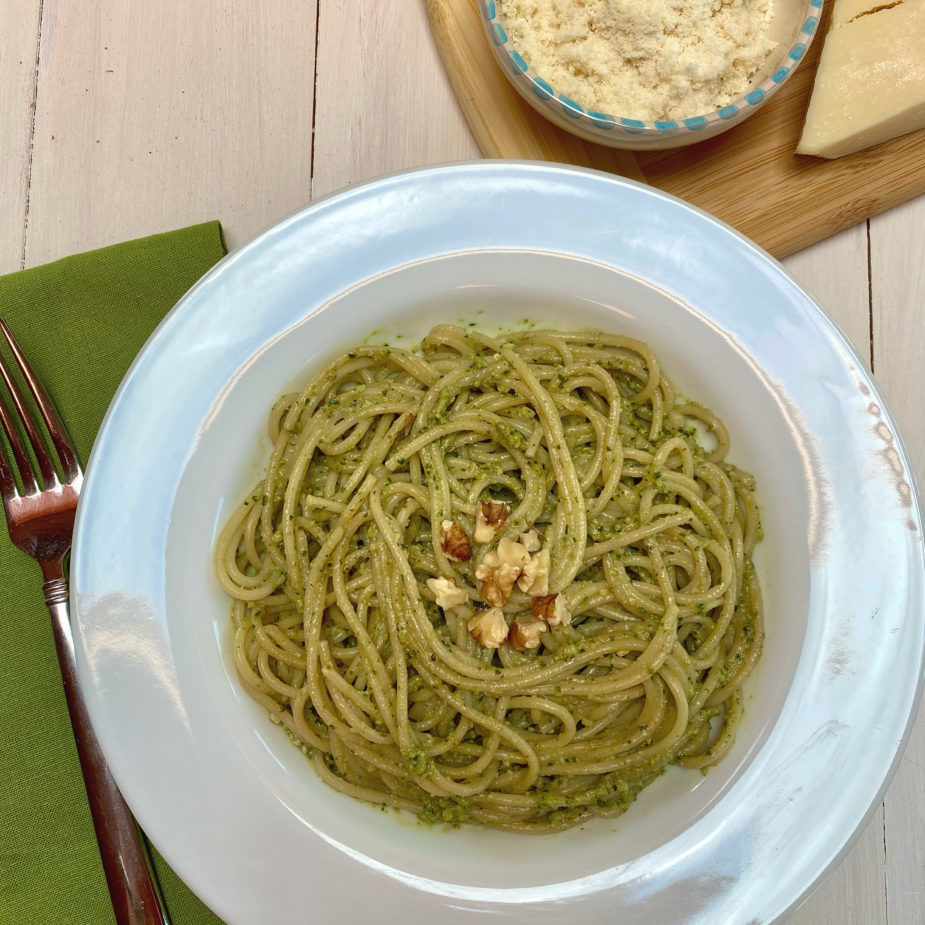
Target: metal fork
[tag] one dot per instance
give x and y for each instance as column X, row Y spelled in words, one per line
column 41, row 523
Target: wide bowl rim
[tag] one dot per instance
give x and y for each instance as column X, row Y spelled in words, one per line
column 441, row 192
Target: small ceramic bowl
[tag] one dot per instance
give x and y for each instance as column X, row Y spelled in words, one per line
column 793, row 26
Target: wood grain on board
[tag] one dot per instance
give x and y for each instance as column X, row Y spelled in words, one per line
column 749, row 176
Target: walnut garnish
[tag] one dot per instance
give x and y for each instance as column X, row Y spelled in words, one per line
column 489, row 628
column 490, row 520
column 497, row 583
column 510, row 552
column 454, row 542
column 447, row 592
column 551, row 608
column 499, row 569
column 525, row 633
column 531, row 540
column 534, row 579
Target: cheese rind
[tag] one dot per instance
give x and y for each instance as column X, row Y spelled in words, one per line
column 870, row 85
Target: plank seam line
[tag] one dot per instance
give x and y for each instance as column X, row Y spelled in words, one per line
column 34, row 107
column 886, row 861
column 870, row 299
column 311, row 162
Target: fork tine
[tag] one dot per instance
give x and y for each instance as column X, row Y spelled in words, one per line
column 57, row 430
column 45, row 464
column 7, row 484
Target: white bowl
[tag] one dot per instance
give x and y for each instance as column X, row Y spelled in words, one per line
column 223, row 794
column 793, row 26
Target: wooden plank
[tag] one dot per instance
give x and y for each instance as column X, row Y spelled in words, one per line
column 835, row 272
column 905, row 823
column 854, row 893
column 154, row 116
column 898, row 291
column 19, row 36
column 749, row 176
column 375, row 62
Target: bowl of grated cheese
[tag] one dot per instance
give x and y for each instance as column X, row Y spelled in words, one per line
column 647, row 74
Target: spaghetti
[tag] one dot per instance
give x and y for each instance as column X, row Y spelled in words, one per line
column 497, row 580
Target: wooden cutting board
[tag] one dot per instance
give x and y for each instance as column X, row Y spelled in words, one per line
column 749, row 176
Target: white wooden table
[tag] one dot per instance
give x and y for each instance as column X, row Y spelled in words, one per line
column 121, row 118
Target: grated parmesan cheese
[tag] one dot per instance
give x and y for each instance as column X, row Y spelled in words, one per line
column 643, row 59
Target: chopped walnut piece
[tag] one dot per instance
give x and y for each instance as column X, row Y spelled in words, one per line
column 447, row 592
column 534, row 579
column 454, row 542
column 499, row 569
column 488, row 628
column 531, row 540
column 510, row 552
column 497, row 583
column 490, row 520
column 552, row 608
column 526, row 633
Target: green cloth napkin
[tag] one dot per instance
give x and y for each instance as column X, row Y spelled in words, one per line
column 80, row 321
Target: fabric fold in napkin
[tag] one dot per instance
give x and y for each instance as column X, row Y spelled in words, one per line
column 80, row 321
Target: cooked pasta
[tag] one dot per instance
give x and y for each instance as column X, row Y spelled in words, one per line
column 497, row 579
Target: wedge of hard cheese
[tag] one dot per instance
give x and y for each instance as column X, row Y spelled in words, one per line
column 870, row 85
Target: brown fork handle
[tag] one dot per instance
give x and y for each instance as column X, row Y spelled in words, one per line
column 134, row 895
